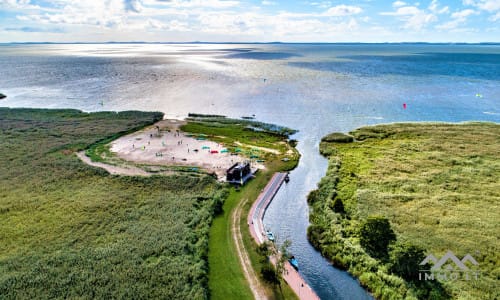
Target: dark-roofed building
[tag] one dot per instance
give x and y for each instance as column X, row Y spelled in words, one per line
column 239, row 173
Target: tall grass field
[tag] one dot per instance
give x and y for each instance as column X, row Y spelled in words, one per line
column 438, row 187
column 68, row 230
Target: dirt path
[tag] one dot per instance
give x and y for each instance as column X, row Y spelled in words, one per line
column 260, row 148
column 129, row 171
column 250, row 275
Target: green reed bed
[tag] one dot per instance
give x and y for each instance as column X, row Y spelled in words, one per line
column 69, row 230
column 436, row 184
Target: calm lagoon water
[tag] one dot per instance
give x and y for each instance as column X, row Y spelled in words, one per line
column 315, row 88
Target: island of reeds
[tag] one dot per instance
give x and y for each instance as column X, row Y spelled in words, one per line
column 395, row 194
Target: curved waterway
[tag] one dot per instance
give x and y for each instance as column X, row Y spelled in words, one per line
column 288, row 218
column 315, row 88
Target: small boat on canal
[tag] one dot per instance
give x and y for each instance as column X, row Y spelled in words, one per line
column 270, row 235
column 293, row 261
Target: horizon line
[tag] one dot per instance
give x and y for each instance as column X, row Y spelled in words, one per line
column 249, row 42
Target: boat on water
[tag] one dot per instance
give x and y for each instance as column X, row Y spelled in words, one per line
column 293, row 261
column 270, row 235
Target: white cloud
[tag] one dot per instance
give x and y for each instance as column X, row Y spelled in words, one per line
column 398, row 3
column 111, row 13
column 231, row 22
column 463, row 14
column 18, row 4
column 342, row 11
column 490, row 6
column 268, row 3
column 414, row 18
column 449, row 25
column 458, row 18
column 322, row 4
column 495, row 17
column 133, row 5
column 403, row 11
column 236, row 20
column 487, row 5
column 198, row 3
column 434, row 7
column 174, row 25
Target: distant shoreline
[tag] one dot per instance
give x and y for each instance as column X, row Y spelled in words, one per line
column 249, row 43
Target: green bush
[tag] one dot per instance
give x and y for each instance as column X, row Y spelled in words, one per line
column 313, row 196
column 338, row 137
column 268, row 273
column 338, row 206
column 375, row 236
column 405, row 259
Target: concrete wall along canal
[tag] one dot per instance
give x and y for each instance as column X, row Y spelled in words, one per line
column 255, row 221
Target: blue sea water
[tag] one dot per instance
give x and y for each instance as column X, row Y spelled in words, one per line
column 315, row 88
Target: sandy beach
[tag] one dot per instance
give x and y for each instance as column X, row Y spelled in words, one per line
column 164, row 144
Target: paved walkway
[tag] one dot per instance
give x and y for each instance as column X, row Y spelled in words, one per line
column 255, row 221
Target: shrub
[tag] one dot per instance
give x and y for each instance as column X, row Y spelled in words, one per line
column 313, row 196
column 338, row 206
column 375, row 236
column 269, row 274
column 338, row 137
column 405, row 259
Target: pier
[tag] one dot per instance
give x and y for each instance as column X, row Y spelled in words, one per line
column 255, row 221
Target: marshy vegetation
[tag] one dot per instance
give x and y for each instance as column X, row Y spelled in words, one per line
column 402, row 191
column 69, row 230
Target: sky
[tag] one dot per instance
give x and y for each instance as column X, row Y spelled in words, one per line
column 249, row 21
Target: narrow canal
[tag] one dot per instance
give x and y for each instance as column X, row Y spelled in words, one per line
column 288, row 217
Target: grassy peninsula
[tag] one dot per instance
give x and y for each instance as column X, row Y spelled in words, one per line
column 69, row 230
column 395, row 193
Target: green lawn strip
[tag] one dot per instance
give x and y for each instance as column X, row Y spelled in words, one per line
column 438, row 186
column 226, row 278
column 234, row 132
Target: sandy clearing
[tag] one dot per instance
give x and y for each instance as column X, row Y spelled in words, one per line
column 163, row 144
